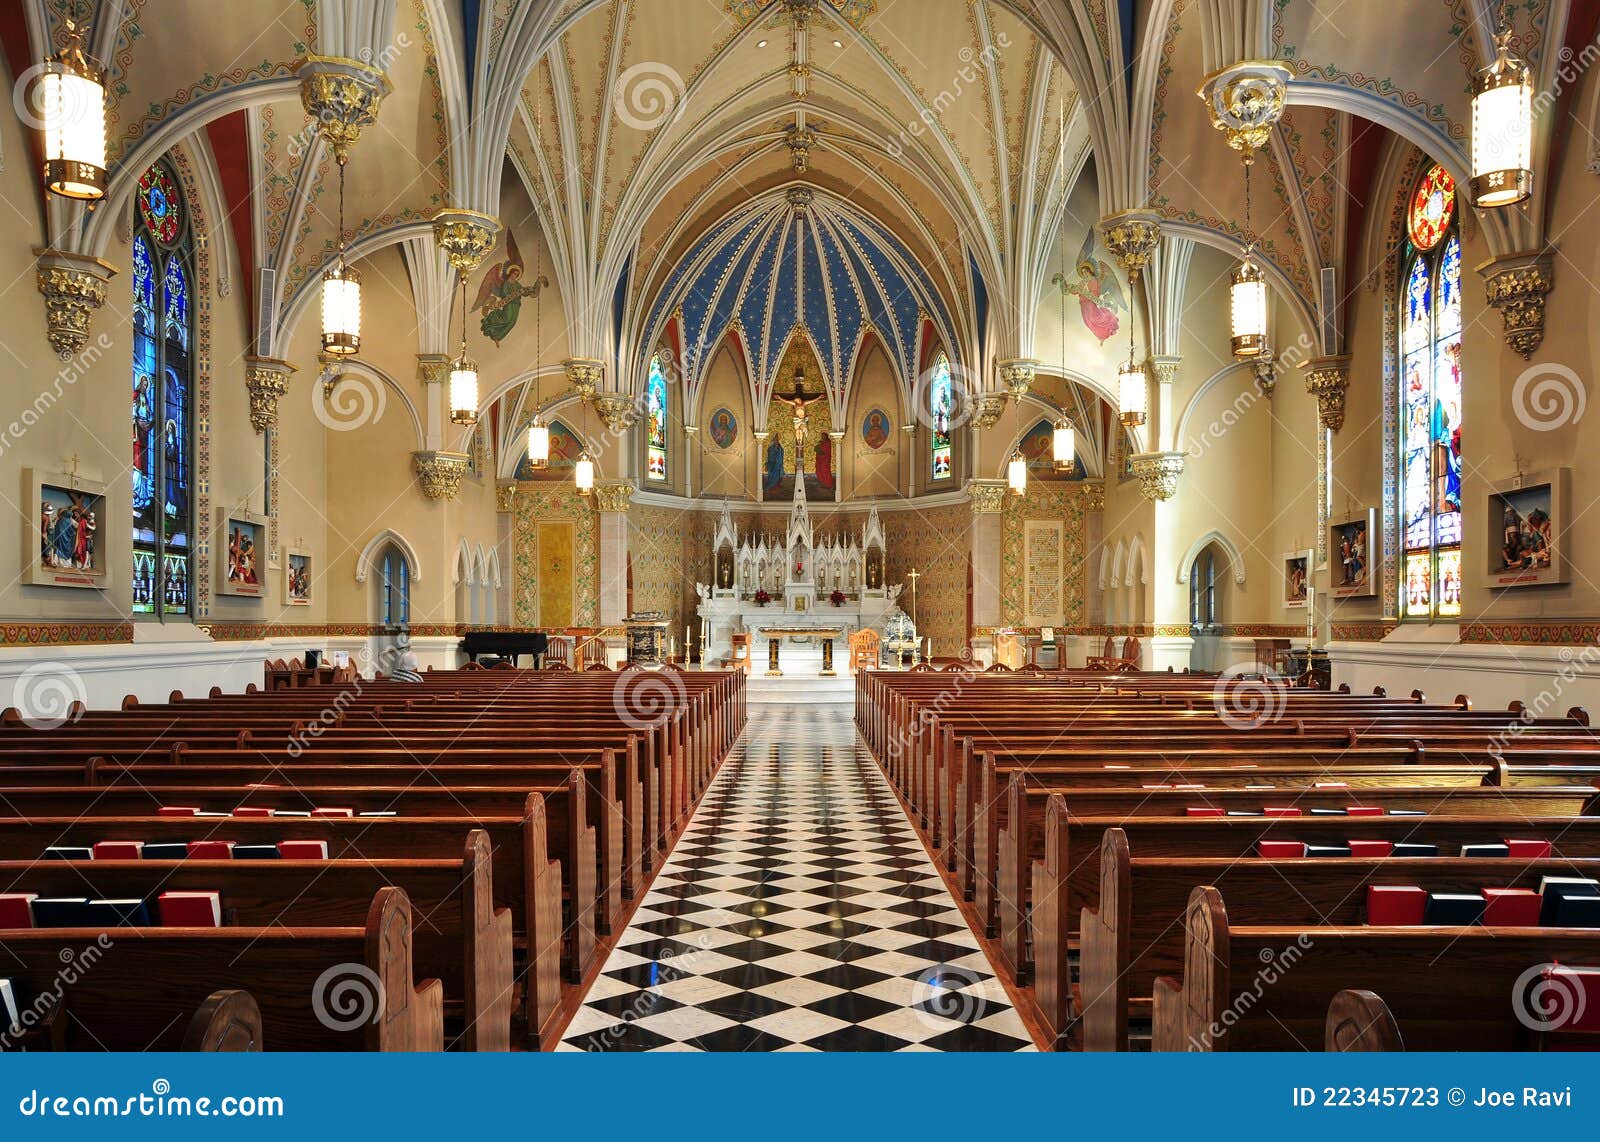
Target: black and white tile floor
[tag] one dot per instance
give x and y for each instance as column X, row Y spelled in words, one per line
column 798, row 912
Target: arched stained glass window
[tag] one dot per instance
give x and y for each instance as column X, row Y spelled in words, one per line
column 163, row 398
column 656, row 399
column 1430, row 402
column 941, row 406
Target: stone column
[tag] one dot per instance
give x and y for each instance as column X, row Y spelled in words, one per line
column 761, row 466
column 1163, row 417
column 838, row 466
column 505, row 503
column 913, row 458
column 433, row 371
column 611, row 501
column 691, row 449
column 988, row 502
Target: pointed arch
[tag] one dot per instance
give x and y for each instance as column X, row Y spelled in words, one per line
column 369, row 554
column 1228, row 546
column 463, row 570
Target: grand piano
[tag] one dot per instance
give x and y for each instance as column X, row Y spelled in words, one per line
column 508, row 644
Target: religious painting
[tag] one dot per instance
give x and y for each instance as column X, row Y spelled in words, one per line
column 556, row 572
column 655, row 393
column 1099, row 293
column 501, row 293
column 297, row 580
column 875, row 429
column 62, row 542
column 1038, row 448
column 565, row 448
column 242, row 547
column 1528, row 515
column 1353, row 543
column 724, row 428
column 799, row 428
column 1297, row 578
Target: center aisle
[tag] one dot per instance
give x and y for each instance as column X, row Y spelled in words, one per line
column 798, row 912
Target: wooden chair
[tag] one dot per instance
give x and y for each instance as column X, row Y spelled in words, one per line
column 739, row 652
column 865, row 648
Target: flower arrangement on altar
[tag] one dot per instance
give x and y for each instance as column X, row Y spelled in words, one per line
column 762, row 598
column 837, row 598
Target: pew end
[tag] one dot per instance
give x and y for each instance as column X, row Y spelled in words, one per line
column 1361, row 1021
column 412, row 1016
column 228, row 1021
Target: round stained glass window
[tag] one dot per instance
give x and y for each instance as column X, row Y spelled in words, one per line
column 1432, row 207
column 158, row 205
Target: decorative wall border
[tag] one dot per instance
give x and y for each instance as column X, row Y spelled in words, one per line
column 64, row 634
column 1532, row 633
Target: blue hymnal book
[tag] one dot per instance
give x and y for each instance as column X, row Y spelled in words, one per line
column 120, row 913
column 10, row 1008
column 255, row 852
column 1327, row 850
column 69, row 852
column 1453, row 908
column 1556, row 890
column 1245, row 813
column 166, row 850
column 1486, row 850
column 1414, row 849
column 1573, row 911
column 62, row 912
column 1406, row 812
column 1329, row 813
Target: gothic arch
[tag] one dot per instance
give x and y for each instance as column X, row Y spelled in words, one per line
column 1229, row 548
column 377, row 543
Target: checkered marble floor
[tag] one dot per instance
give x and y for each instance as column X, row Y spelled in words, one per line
column 799, row 912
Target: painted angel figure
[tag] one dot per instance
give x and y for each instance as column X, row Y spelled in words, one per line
column 1098, row 291
column 500, row 296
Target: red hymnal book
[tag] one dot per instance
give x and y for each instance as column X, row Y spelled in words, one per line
column 1202, row 811
column 1364, row 810
column 118, row 850
column 333, row 812
column 252, row 811
column 190, row 909
column 210, row 850
column 177, row 810
column 303, row 850
column 1280, row 811
column 16, row 909
column 1277, row 850
column 1583, row 982
column 1388, row 905
column 1370, row 848
column 1512, row 907
column 1528, row 850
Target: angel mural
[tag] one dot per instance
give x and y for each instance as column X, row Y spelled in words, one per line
column 1099, row 293
column 500, row 296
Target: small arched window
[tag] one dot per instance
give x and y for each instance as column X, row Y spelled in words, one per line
column 393, row 601
column 1430, row 401
column 1203, row 590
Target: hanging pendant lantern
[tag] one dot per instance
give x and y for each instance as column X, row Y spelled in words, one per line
column 1502, row 129
column 1133, row 395
column 583, row 473
column 464, row 376
column 341, row 299
column 1064, row 445
column 1249, row 305
column 1017, row 473
column 538, row 445
column 72, row 98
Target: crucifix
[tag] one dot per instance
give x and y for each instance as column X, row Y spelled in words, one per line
column 913, row 575
column 73, row 460
column 798, row 402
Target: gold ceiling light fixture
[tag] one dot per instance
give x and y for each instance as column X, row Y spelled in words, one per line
column 1133, row 237
column 341, row 292
column 1063, row 441
column 72, row 99
column 1248, row 289
column 464, row 375
column 1502, row 126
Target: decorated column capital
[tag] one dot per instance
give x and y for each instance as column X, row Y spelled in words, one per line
column 1157, row 473
column 1132, row 236
column 441, row 473
column 342, row 96
column 1327, row 378
column 612, row 496
column 1516, row 285
column 465, row 236
column 1164, row 369
column 988, row 496
column 1245, row 99
column 433, row 368
column 618, row 410
column 986, row 409
column 74, row 287
column 267, row 379
column 505, row 495
column 585, row 374
column 1017, row 375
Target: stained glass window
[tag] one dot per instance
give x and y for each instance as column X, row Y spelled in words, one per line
column 163, row 399
column 941, row 406
column 1430, row 403
column 656, row 408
